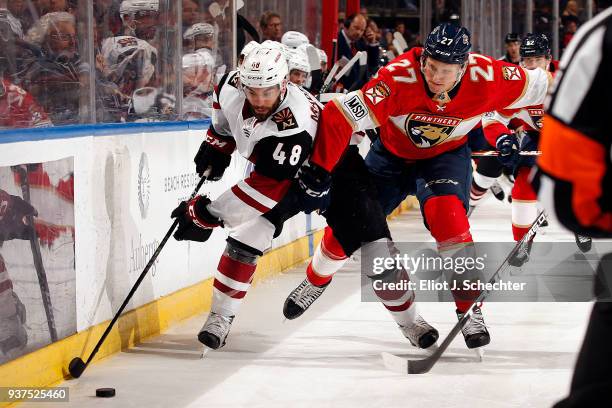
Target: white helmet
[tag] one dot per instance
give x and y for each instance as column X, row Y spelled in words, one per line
column 130, row 7
column 264, row 67
column 121, row 51
column 202, row 58
column 294, row 39
column 199, row 29
column 322, row 55
column 248, row 48
column 298, row 60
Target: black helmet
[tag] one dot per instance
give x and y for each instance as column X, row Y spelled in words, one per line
column 512, row 37
column 448, row 43
column 535, row 45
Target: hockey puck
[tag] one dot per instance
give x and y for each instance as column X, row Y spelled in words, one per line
column 105, row 392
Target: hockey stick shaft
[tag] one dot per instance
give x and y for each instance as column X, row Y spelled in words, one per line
column 80, row 366
column 363, row 70
column 37, row 257
column 424, row 365
column 340, row 74
column 484, row 153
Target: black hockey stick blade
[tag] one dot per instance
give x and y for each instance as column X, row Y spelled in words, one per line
column 420, row 366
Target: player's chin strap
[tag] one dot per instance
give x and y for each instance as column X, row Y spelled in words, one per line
column 457, row 81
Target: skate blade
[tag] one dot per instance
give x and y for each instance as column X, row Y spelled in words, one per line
column 480, row 352
column 205, row 351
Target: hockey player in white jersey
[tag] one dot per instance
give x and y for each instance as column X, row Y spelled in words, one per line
column 271, row 122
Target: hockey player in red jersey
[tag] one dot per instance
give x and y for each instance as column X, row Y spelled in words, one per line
column 424, row 102
column 272, row 123
column 514, row 130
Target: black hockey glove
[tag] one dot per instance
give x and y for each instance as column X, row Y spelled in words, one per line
column 13, row 210
column 196, row 223
column 313, row 183
column 509, row 150
column 214, row 155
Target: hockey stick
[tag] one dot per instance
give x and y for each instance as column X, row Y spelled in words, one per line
column 332, row 81
column 485, row 153
column 77, row 366
column 399, row 39
column 315, row 68
column 37, row 256
column 330, row 76
column 424, row 365
column 334, row 50
column 363, row 70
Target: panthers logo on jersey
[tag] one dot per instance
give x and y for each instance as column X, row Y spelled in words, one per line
column 537, row 116
column 429, row 130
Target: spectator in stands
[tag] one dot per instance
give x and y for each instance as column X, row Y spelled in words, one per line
column 373, row 27
column 350, row 40
column 17, row 16
column 570, row 26
column 513, row 44
column 571, row 9
column 56, row 77
column 271, row 26
column 191, row 14
column 58, row 5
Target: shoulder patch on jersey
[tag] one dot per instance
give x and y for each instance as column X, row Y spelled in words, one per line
column 284, row 120
column 234, row 81
column 356, row 108
column 378, row 92
column 512, row 73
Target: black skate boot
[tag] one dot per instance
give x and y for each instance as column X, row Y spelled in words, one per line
column 584, row 243
column 300, row 299
column 521, row 256
column 498, row 191
column 215, row 330
column 474, row 330
column 420, row 333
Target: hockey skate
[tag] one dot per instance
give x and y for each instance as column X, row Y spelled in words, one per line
column 584, row 243
column 300, row 299
column 498, row 191
column 521, row 256
column 474, row 330
column 215, row 330
column 420, row 333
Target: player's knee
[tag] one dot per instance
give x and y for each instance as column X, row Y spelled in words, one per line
column 241, row 252
column 447, row 219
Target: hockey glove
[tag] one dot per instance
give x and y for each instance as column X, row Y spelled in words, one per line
column 13, row 221
column 313, row 185
column 214, row 155
column 509, row 150
column 196, row 223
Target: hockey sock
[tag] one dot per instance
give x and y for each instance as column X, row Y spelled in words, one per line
column 480, row 186
column 232, row 279
column 524, row 204
column 399, row 302
column 328, row 258
column 449, row 225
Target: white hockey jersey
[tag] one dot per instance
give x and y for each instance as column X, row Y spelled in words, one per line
column 277, row 146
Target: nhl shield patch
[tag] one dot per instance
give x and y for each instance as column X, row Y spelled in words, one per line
column 284, row 120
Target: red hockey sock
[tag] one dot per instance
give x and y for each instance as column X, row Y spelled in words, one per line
column 328, row 258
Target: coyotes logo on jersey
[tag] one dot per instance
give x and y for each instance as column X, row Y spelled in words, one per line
column 285, row 120
column 427, row 130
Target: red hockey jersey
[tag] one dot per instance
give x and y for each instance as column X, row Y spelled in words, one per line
column 412, row 124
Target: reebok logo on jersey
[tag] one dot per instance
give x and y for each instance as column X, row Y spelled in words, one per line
column 426, row 130
column 356, row 108
column 284, row 120
column 378, row 92
column 512, row 73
